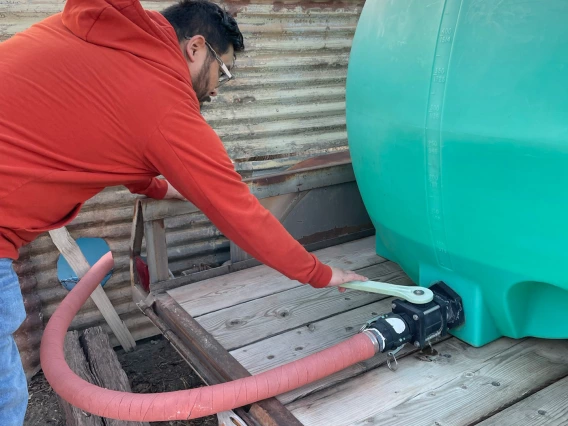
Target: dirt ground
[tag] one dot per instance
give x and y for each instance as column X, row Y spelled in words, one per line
column 154, row 366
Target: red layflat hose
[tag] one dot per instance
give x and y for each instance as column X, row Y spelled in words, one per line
column 185, row 404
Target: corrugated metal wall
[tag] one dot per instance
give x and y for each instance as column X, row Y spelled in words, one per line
column 287, row 103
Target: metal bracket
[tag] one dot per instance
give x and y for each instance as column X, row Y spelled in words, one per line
column 413, row 294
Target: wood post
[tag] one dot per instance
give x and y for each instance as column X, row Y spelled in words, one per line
column 76, row 360
column 92, row 359
column 74, row 256
column 157, row 251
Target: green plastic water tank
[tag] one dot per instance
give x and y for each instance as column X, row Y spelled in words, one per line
column 457, row 118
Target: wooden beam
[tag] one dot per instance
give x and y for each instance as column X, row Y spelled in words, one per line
column 106, row 369
column 262, row 187
column 217, row 360
column 135, row 248
column 157, row 251
column 137, row 232
column 174, row 283
column 135, row 244
column 301, row 180
column 76, row 360
column 208, row 376
column 161, row 209
column 72, row 253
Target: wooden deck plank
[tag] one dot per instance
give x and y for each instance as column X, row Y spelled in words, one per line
column 316, row 336
column 459, row 386
column 548, row 407
column 258, row 319
column 306, row 340
column 227, row 290
column 378, row 361
column 267, row 320
column 311, row 338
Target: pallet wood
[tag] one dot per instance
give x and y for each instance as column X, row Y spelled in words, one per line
column 106, row 369
column 548, row 407
column 76, row 360
column 239, row 287
column 458, row 386
column 260, row 318
column 72, row 253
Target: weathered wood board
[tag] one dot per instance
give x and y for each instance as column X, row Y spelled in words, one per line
column 266, row 320
column 75, row 358
column 546, row 407
column 92, row 358
column 459, row 386
column 74, row 256
column 239, row 287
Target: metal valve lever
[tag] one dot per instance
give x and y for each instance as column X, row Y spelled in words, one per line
column 413, row 294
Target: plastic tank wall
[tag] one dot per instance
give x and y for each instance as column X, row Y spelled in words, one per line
column 287, row 103
column 457, row 121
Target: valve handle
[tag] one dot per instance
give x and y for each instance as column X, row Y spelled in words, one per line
column 413, row 294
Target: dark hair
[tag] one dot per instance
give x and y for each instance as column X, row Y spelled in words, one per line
column 203, row 17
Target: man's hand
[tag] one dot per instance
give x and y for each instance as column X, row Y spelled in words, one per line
column 342, row 276
column 173, row 194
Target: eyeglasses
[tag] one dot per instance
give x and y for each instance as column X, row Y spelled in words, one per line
column 224, row 73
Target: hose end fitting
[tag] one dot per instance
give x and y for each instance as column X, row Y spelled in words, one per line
column 371, row 335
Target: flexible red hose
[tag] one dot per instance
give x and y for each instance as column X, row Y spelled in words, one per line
column 186, row 404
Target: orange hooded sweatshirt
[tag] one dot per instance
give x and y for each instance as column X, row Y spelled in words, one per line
column 100, row 95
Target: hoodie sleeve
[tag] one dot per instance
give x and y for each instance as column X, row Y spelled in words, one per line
column 153, row 188
column 190, row 155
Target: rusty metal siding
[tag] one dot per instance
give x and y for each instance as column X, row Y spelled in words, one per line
column 286, row 104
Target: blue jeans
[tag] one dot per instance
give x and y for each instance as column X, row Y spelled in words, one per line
column 13, row 384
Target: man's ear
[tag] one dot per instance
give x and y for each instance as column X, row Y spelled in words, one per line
column 194, row 47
